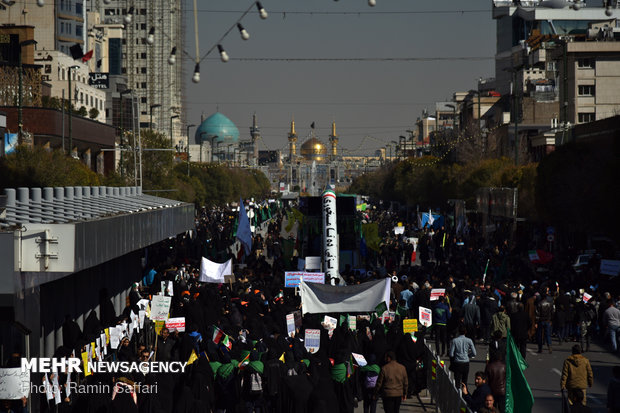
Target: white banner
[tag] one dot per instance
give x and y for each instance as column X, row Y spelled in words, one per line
column 212, row 272
column 323, row 298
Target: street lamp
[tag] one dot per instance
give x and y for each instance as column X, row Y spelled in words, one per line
column 395, row 148
column 477, row 93
column 122, row 143
column 71, row 111
column 157, row 105
column 187, row 149
column 172, row 117
column 20, row 121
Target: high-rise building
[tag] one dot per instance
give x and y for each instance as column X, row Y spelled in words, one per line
column 153, row 31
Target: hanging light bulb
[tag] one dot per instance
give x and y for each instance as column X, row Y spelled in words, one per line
column 196, row 77
column 372, row 3
column 173, row 58
column 40, row 3
column 129, row 15
column 150, row 39
column 244, row 33
column 261, row 10
column 577, row 4
column 223, row 54
column 608, row 11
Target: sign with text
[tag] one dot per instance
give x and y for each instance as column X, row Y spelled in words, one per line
column 14, row 383
column 99, row 80
column 437, row 292
column 426, row 316
column 610, row 267
column 330, row 323
column 292, row 279
column 160, row 306
column 176, row 324
column 290, row 324
column 312, row 340
column 359, row 359
column 410, row 326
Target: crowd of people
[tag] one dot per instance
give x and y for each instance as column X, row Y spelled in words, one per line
column 259, row 367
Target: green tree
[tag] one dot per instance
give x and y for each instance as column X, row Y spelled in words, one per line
column 93, row 113
column 37, row 167
column 82, row 111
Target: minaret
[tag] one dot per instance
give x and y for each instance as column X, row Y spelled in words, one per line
column 255, row 134
column 333, row 140
column 292, row 143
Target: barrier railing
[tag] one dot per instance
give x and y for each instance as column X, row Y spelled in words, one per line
column 441, row 386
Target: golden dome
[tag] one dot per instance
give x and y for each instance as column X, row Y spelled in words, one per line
column 313, row 150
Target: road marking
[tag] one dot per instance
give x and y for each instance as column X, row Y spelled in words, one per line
column 556, row 371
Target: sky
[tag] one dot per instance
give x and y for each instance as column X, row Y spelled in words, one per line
column 372, row 102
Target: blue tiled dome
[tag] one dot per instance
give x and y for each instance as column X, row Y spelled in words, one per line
column 217, row 125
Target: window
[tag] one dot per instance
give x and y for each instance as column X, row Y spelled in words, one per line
column 143, row 12
column 109, row 12
column 586, row 90
column 143, row 70
column 62, row 27
column 107, row 113
column 143, row 100
column 78, row 31
column 48, row 68
column 143, row 85
column 79, row 8
column 585, row 63
column 143, row 56
column 143, row 26
column 586, row 117
column 124, row 70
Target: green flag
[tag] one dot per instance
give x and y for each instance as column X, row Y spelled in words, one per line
column 381, row 308
column 342, row 319
column 519, row 397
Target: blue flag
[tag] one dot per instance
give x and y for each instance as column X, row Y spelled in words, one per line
column 244, row 234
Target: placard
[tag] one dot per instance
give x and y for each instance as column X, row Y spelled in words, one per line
column 160, row 305
column 115, row 337
column 312, row 340
column 410, row 325
column 313, row 263
column 14, row 383
column 176, row 324
column 290, row 324
column 352, row 322
column 330, row 323
column 399, row 230
column 229, row 279
column 359, row 359
column 437, row 292
column 426, row 316
column 610, row 267
column 297, row 314
column 586, row 297
column 292, row 279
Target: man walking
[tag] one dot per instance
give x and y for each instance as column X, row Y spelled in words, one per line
column 392, row 383
column 576, row 374
column 461, row 348
column 611, row 320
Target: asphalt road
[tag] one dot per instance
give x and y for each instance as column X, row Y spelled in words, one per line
column 545, row 370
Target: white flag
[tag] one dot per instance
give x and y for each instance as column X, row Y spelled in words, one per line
column 212, row 272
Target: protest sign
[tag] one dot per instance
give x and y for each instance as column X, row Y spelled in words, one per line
column 586, row 297
column 313, row 263
column 437, row 292
column 176, row 324
column 352, row 322
column 330, row 323
column 359, row 359
column 115, row 337
column 610, row 267
column 158, row 326
column 399, row 230
column 297, row 314
column 410, row 325
column 56, row 389
column 14, row 383
column 290, row 324
column 292, row 279
column 160, row 305
column 312, row 340
column 426, row 316
column 143, row 303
